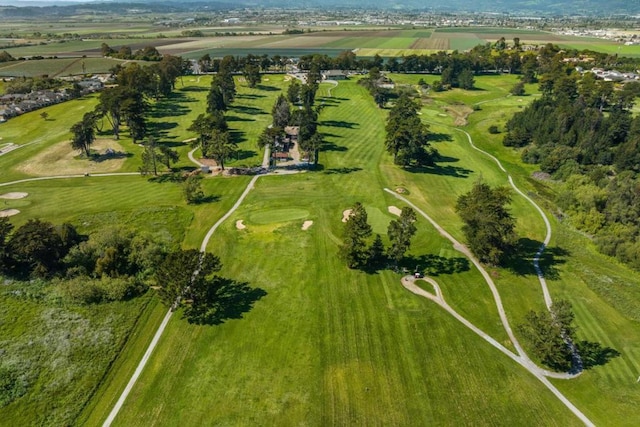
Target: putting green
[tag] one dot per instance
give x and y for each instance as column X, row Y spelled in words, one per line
column 379, row 221
column 278, row 215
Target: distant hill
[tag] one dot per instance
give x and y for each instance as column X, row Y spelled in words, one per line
column 534, row 7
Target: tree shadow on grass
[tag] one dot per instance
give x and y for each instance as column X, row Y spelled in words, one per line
column 521, row 261
column 175, row 177
column 237, row 136
column 339, row 124
column 160, row 130
column 207, row 199
column 440, row 137
column 193, row 89
column 435, row 265
column 238, row 119
column 331, row 135
column 342, row 170
column 232, row 299
column 160, row 111
column 243, row 154
column 249, row 96
column 454, row 171
column 330, row 146
column 594, row 354
column 99, row 158
column 247, row 110
column 268, row 88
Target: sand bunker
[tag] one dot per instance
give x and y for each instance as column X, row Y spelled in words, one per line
column 240, row 225
column 345, row 215
column 306, row 225
column 13, row 195
column 394, row 210
column 9, row 212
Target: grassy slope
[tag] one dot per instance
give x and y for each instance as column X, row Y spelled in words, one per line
column 327, row 345
column 604, row 294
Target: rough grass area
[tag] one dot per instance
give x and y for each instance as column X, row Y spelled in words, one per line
column 61, row 159
column 57, row 352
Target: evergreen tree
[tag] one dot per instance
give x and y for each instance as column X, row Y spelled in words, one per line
column 488, row 225
column 84, row 133
column 281, row 112
column 192, row 189
column 356, row 229
column 252, row 74
column 150, row 158
column 407, row 136
column 400, row 232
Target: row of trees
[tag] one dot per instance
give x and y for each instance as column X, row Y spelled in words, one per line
column 147, row 53
column 117, row 264
column 39, row 249
column 212, row 129
column 359, row 252
column 456, row 67
column 305, row 117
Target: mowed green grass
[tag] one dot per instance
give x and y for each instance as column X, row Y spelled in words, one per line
column 328, row 345
column 604, row 294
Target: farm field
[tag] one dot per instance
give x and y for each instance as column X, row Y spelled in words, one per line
column 325, row 345
column 269, row 41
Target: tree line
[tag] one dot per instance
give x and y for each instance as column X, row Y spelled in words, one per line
column 117, row 264
column 583, row 133
column 305, row 117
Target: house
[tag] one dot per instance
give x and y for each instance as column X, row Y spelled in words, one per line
column 281, row 156
column 90, row 85
column 333, row 75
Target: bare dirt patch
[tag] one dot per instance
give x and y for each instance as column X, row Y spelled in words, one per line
column 345, row 215
column 240, row 225
column 394, row 210
column 459, row 113
column 61, row 159
column 13, row 195
column 9, row 212
column 306, row 225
